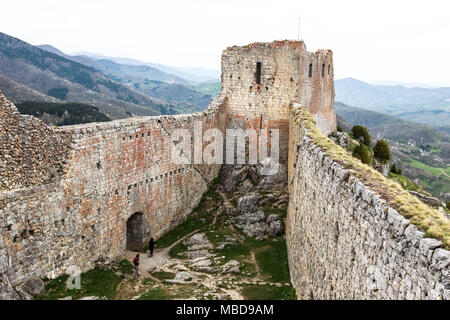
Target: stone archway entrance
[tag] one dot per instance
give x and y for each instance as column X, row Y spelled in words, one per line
column 138, row 232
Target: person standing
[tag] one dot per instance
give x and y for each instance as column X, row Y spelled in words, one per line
column 136, row 265
column 151, row 246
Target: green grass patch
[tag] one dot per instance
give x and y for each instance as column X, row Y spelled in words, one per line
column 97, row 282
column 282, row 212
column 433, row 170
column 234, row 251
column 405, row 182
column 176, row 250
column 162, row 275
column 273, row 261
column 155, row 294
column 125, row 267
column 268, row 292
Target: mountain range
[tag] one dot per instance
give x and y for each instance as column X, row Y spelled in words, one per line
column 45, row 74
column 429, row 106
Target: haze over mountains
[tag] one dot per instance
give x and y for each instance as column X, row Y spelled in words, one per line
column 429, row 106
column 45, row 74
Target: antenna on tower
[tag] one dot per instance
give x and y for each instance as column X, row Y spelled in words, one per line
column 298, row 34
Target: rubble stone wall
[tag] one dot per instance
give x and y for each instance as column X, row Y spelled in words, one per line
column 345, row 242
column 112, row 170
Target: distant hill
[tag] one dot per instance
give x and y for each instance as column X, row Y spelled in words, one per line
column 422, row 151
column 175, row 93
column 211, row 88
column 181, row 94
column 17, row 92
column 67, row 80
column 62, row 114
column 413, row 104
column 138, row 72
column 191, row 74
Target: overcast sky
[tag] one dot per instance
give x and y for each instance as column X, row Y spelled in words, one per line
column 392, row 40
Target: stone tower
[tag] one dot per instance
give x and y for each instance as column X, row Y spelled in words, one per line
column 262, row 80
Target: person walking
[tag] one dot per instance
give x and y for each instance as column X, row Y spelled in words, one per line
column 151, row 246
column 136, row 265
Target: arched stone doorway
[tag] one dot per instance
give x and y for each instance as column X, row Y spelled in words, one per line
column 138, row 232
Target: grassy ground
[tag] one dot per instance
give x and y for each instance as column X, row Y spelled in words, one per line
column 100, row 282
column 263, row 268
column 268, row 292
column 433, row 170
column 406, row 183
column 273, row 261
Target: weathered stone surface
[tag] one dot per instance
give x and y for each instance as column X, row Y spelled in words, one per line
column 345, row 243
column 197, row 241
column 231, row 266
column 31, row 289
column 274, row 228
column 105, row 173
column 248, row 203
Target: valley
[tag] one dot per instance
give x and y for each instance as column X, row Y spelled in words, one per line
column 423, row 152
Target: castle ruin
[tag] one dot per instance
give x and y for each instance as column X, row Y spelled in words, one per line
column 70, row 196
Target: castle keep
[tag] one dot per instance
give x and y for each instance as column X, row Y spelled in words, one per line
column 74, row 195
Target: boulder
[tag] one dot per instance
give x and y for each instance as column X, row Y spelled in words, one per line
column 197, row 241
column 6, row 290
column 272, row 175
column 231, row 175
column 257, row 229
column 31, row 288
column 246, row 186
column 181, row 277
column 231, row 266
column 273, row 217
column 249, row 202
column 246, row 218
column 274, row 228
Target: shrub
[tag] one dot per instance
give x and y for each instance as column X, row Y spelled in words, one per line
column 447, row 204
column 339, row 129
column 395, row 169
column 360, row 131
column 361, row 153
column 381, row 151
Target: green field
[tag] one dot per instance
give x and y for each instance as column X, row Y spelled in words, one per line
column 433, row 170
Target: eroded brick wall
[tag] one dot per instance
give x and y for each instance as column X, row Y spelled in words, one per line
column 113, row 170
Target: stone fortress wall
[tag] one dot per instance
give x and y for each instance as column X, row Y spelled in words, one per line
column 70, row 195
column 346, row 241
column 107, row 172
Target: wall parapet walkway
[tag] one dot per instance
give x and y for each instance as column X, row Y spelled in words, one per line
column 347, row 234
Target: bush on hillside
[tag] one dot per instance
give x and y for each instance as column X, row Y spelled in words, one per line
column 395, row 169
column 361, row 133
column 361, row 152
column 382, row 151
